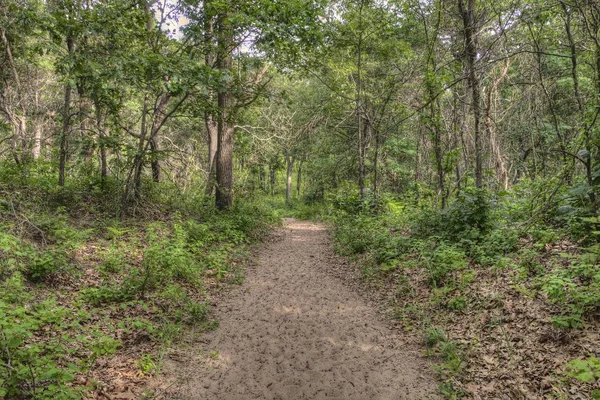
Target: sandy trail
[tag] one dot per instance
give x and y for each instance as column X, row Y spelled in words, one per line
column 294, row 331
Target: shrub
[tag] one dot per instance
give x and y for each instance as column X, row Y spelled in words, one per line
column 495, row 245
column 576, row 289
column 44, row 265
column 444, row 260
column 468, row 218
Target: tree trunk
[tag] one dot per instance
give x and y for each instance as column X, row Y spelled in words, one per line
column 288, row 182
column 64, row 135
column 20, row 121
column 457, row 125
column 500, row 164
column 224, row 170
column 210, row 123
column 138, row 164
column 212, row 140
column 66, row 124
column 36, row 149
column 470, row 32
column 102, row 135
column 272, row 179
column 154, row 163
column 147, row 139
column 376, row 165
column 359, row 111
column 262, row 178
column 299, row 179
column 103, row 161
column 38, row 130
column 84, row 129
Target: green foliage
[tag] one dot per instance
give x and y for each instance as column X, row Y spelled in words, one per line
column 104, row 294
column 113, row 260
column 45, row 265
column 347, row 200
column 451, row 359
column 449, row 391
column 154, row 268
column 14, row 289
column 568, row 321
column 530, row 263
column 147, row 364
column 496, row 244
column 584, row 370
column 576, row 288
column 466, row 219
column 165, row 259
column 32, row 262
column 356, row 235
column 434, row 336
column 457, row 303
column 42, row 369
column 443, row 262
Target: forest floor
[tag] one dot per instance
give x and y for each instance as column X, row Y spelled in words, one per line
column 297, row 330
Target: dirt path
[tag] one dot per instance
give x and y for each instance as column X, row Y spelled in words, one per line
column 293, row 331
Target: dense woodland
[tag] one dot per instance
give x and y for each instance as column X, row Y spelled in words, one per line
column 453, row 147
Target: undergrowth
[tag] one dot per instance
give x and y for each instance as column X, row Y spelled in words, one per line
column 78, row 285
column 500, row 235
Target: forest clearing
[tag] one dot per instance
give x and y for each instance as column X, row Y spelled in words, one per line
column 289, row 199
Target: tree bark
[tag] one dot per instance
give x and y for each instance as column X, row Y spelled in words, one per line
column 500, row 164
column 64, row 135
column 376, row 165
column 470, row 33
column 154, row 162
column 224, row 164
column 102, row 135
column 262, row 178
column 359, row 111
column 212, row 132
column 272, row 179
column 210, row 123
column 288, row 182
column 299, row 179
column 224, row 157
column 36, row 148
column 19, row 121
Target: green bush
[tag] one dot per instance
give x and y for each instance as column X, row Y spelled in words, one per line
column 44, row 265
column 576, row 289
column 356, row 235
column 442, row 262
column 107, row 294
column 13, row 289
column 468, row 218
column 36, row 264
column 496, row 244
column 113, row 260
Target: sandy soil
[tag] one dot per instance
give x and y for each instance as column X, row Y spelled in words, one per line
column 294, row 331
